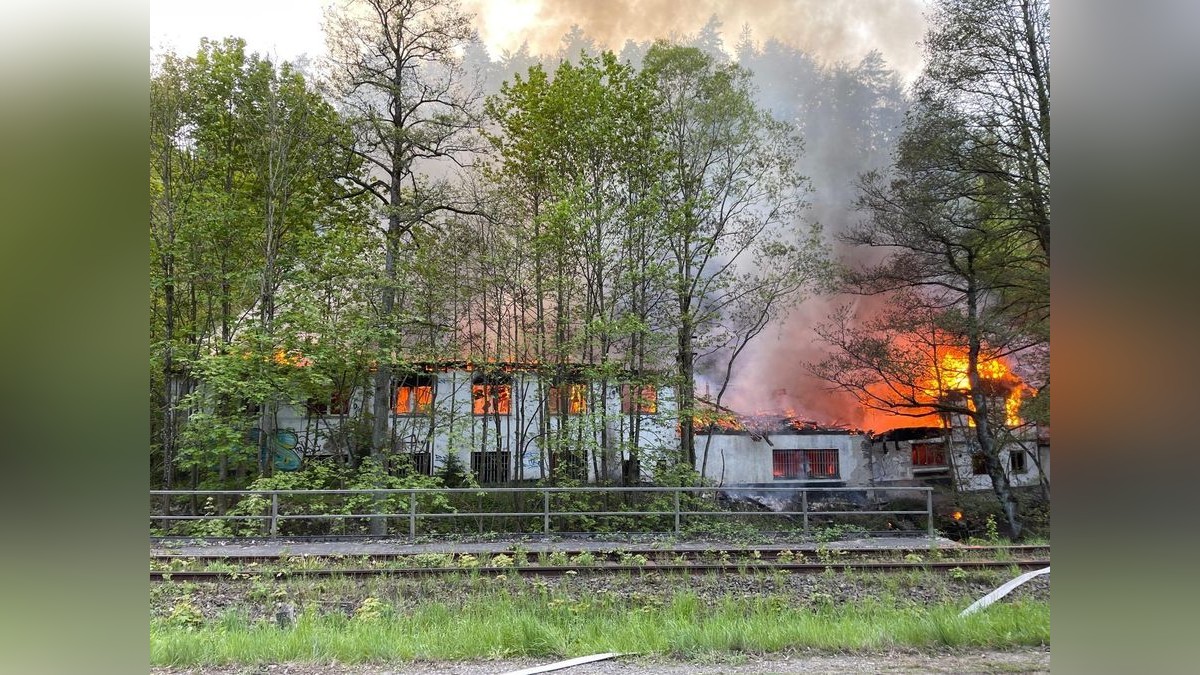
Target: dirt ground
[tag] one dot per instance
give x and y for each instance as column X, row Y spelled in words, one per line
column 1016, row 661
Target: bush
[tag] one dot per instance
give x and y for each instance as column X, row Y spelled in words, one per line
column 326, row 475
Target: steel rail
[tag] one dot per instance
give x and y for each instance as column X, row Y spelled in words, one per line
column 767, row 552
column 546, row 570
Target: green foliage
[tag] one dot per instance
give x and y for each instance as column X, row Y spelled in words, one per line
column 632, row 559
column 324, row 475
column 454, row 473
column 372, row 609
column 993, row 532
column 838, row 532
column 184, row 614
column 551, row 624
column 584, row 559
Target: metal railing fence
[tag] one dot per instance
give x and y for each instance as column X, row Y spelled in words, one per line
column 418, row 504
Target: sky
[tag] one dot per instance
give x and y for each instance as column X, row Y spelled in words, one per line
column 829, row 29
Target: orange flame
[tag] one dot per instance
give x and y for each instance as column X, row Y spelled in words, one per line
column 949, row 376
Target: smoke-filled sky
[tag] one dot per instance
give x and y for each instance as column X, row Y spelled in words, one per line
column 831, row 30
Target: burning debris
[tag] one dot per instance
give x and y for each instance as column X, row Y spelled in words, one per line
column 714, row 419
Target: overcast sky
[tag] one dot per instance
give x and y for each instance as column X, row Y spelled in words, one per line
column 830, row 29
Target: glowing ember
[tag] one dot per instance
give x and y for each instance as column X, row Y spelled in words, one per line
column 957, row 515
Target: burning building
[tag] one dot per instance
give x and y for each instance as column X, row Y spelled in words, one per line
column 505, row 421
column 936, row 445
column 511, row 422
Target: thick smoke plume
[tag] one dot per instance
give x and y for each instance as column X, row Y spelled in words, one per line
column 831, row 31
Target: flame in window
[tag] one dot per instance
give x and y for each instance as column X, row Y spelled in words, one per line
column 491, row 398
column 642, row 399
column 414, row 399
column 576, row 399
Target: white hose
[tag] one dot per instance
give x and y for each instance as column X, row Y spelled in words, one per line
column 564, row 664
column 1002, row 591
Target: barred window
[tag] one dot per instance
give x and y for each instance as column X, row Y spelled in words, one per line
column 928, row 454
column 416, row 451
column 789, row 464
column 491, row 467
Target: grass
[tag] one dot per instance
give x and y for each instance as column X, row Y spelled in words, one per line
column 502, row 625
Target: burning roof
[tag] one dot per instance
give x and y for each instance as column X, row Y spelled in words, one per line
column 714, row 419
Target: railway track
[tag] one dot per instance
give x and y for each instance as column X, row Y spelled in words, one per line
column 214, row 567
column 554, row 571
column 771, row 553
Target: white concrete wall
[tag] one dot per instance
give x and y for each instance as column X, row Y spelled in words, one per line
column 738, row 459
column 892, row 463
column 968, row 481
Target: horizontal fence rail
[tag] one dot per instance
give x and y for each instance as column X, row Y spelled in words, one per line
column 671, row 504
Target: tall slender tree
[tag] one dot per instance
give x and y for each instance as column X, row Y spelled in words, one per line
column 732, row 204
column 396, row 72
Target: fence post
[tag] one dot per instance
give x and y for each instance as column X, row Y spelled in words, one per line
column 274, row 514
column 804, row 509
column 412, row 516
column 929, row 512
column 676, row 510
column 546, row 511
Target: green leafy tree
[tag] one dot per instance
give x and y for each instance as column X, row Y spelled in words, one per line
column 731, row 205
column 579, row 165
column 397, row 75
column 243, row 165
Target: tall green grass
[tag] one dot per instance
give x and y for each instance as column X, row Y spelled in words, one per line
column 501, row 625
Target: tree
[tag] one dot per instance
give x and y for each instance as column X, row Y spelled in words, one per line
column 171, row 184
column 399, row 80
column 962, row 218
column 242, row 166
column 991, row 62
column 579, row 166
column 731, row 203
column 953, row 260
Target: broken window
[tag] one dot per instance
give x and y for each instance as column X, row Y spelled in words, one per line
column 928, row 454
column 569, row 397
column 414, row 395
column 1016, row 462
column 631, row 471
column 491, row 395
column 979, row 464
column 491, row 467
column 803, row 464
column 338, row 403
column 642, row 399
